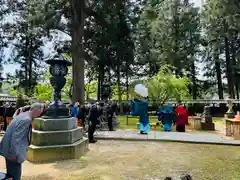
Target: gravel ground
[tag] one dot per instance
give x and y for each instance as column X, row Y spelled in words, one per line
column 119, row 160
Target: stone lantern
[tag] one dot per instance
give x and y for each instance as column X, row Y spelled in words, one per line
column 58, row 69
column 207, row 123
column 55, row 135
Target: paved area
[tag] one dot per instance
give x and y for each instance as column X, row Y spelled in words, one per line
column 201, row 138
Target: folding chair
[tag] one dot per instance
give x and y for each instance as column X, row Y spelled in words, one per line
column 102, row 126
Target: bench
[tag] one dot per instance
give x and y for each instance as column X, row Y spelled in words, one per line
column 152, row 125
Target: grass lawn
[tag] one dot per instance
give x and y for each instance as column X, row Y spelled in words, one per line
column 121, row 160
column 132, row 122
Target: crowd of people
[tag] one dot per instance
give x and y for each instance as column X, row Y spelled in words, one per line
column 17, row 137
column 167, row 116
column 7, row 111
column 89, row 114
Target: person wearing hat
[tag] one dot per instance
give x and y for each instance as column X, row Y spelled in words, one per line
column 140, row 108
column 16, row 140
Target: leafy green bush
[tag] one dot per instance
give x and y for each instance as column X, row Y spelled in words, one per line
column 166, row 86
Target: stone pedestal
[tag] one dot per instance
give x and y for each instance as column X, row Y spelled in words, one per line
column 229, row 115
column 195, row 122
column 207, row 123
column 56, row 139
column 233, row 128
column 208, row 126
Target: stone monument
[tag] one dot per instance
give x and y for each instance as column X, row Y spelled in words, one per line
column 229, row 114
column 55, row 135
column 206, row 122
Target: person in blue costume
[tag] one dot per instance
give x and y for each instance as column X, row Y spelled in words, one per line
column 140, row 108
column 167, row 115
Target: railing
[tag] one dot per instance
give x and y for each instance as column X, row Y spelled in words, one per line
column 197, row 101
column 7, row 98
column 189, row 101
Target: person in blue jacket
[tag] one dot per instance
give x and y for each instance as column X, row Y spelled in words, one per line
column 140, row 108
column 167, row 115
column 75, row 112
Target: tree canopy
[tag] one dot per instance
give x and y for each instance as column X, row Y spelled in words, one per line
column 122, row 42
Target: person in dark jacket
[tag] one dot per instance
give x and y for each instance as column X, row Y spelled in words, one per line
column 112, row 109
column 93, row 116
column 83, row 114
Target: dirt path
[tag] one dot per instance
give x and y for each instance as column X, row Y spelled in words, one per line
column 119, row 160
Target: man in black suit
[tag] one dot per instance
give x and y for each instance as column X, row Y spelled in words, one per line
column 93, row 116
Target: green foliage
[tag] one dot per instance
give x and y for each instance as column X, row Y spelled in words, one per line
column 91, row 90
column 124, row 40
column 168, row 33
column 220, row 20
column 25, row 41
column 166, row 86
column 43, row 92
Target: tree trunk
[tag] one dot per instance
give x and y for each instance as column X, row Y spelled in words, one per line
column 228, row 63
column 229, row 70
column 127, row 85
column 193, row 74
column 26, row 64
column 234, row 66
column 218, row 73
column 99, row 86
column 193, row 68
column 77, row 50
column 119, row 88
column 30, row 59
column 176, row 63
column 100, row 82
